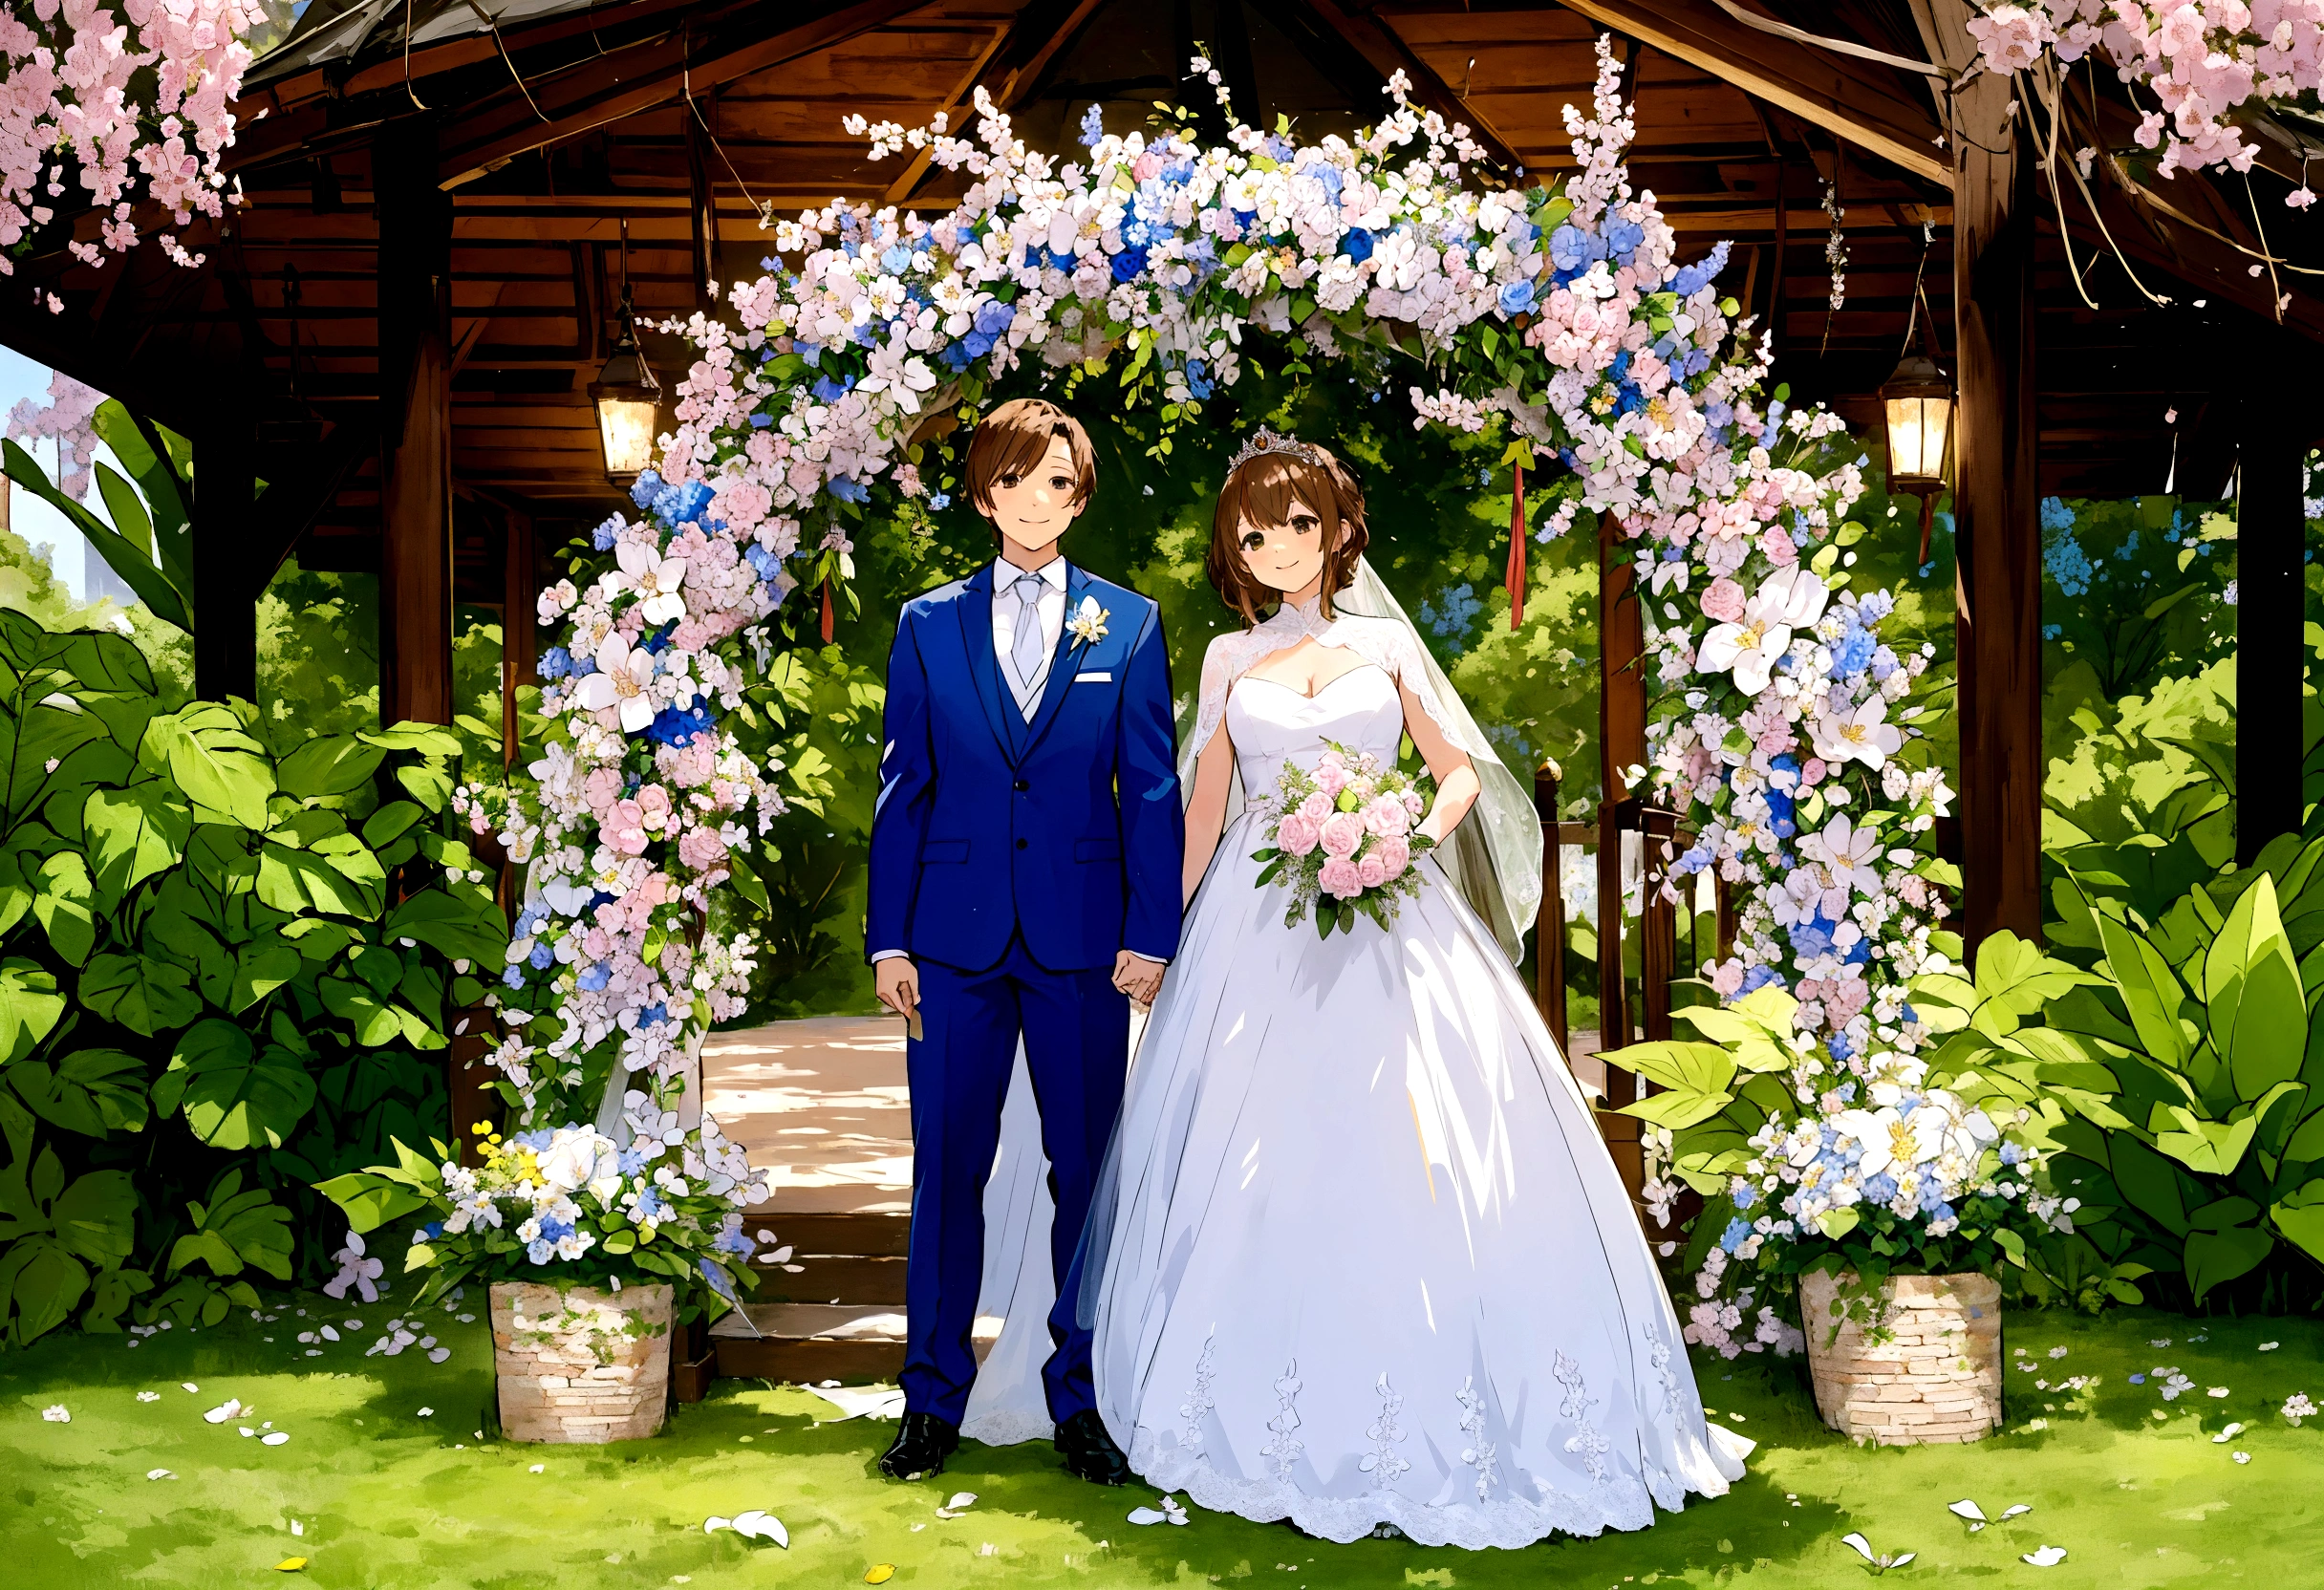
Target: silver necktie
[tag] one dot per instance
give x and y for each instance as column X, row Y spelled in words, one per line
column 1028, row 657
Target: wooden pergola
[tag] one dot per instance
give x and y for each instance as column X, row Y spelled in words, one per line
column 443, row 204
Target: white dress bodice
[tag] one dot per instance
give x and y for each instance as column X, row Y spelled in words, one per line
column 1271, row 725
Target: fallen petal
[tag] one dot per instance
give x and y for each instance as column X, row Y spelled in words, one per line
column 276, row 1439
column 1967, row 1509
column 1863, row 1546
column 2226, row 1435
column 2014, row 1511
column 1146, row 1516
column 879, row 1573
column 961, row 1499
column 2047, row 1557
column 159, row 1474
column 189, row 1385
column 290, row 1564
column 428, row 1413
column 149, row 1396
column 714, row 1523
column 437, row 1355
column 538, row 1469
column 1901, row 1559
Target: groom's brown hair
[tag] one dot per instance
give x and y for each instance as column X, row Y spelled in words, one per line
column 1010, row 443
column 1262, row 491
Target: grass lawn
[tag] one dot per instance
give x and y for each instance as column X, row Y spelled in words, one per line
column 384, row 1493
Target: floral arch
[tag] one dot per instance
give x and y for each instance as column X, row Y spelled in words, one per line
column 1558, row 313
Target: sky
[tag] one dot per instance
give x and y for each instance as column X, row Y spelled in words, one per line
column 31, row 518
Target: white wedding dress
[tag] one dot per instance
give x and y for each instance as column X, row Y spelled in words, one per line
column 1360, row 1256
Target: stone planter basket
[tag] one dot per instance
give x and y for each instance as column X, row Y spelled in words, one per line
column 578, row 1364
column 1935, row 1377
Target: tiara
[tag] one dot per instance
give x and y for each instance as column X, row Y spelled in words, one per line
column 1264, row 442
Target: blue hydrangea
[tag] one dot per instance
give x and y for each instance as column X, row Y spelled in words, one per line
column 1875, row 606
column 542, row 957
column 1094, row 126
column 1128, row 264
column 2063, row 558
column 1623, row 238
column 938, row 500
column 1517, row 297
column 993, row 317
column 594, row 977
column 1569, row 248
column 605, row 534
column 1197, row 381
column 1452, row 612
column 829, row 391
column 643, row 488
column 1839, row 1046
column 1330, row 178
column 654, row 1015
column 2055, row 515
column 673, row 727
column 1357, row 244
column 1853, row 653
column 1758, row 977
column 631, row 1162
column 555, row 663
column 718, row 1280
column 847, row 489
column 583, row 665
column 1737, row 1232
column 1691, row 279
column 896, row 260
column 514, row 976
column 682, row 505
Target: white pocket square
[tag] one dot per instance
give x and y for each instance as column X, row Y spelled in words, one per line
column 1099, row 677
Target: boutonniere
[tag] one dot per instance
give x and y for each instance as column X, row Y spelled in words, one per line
column 1089, row 625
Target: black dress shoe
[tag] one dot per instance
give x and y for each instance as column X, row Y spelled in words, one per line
column 1091, row 1454
column 920, row 1448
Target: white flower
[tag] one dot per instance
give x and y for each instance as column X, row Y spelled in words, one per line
column 1848, row 854
column 1792, row 598
column 622, row 677
column 655, row 578
column 57, row 1413
column 1088, row 623
column 1883, row 1561
column 354, row 1270
column 1862, row 734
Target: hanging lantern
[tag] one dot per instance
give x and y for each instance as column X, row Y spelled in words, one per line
column 1919, row 404
column 629, row 402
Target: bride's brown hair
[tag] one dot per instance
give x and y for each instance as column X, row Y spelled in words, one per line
column 1262, row 491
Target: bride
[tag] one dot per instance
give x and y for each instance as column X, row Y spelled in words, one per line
column 1358, row 1258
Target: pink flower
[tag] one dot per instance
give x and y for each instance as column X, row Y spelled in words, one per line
column 1726, row 978
column 1316, row 808
column 1385, row 816
column 1370, row 873
column 1812, row 773
column 1394, row 854
column 601, row 789
column 1414, row 805
column 1343, row 832
column 700, row 848
column 625, row 828
column 1339, row 879
column 1778, row 547
column 1297, row 834
column 1331, row 775
column 653, row 806
column 1723, row 600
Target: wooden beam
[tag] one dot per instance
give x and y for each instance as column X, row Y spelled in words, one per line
column 1044, row 29
column 1858, row 104
column 1996, row 508
column 1376, row 41
column 415, row 412
column 632, row 81
column 901, row 189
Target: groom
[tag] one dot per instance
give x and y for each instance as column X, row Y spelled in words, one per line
column 1025, row 860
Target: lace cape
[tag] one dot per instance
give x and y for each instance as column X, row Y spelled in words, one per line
column 1494, row 856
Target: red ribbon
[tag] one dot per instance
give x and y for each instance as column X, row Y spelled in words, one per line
column 826, row 610
column 1517, row 545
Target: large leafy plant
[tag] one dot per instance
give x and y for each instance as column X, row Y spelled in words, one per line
column 149, row 540
column 224, row 975
column 2187, row 1069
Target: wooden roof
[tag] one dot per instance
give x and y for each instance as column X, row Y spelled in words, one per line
column 559, row 124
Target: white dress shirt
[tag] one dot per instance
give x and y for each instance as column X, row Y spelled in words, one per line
column 1008, row 612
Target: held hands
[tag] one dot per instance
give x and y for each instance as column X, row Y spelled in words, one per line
column 1134, row 976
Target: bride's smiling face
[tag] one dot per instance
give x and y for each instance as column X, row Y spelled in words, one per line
column 1286, row 557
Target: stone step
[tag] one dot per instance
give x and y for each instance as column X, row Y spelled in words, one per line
column 805, row 1344
column 856, row 1234
column 833, row 1279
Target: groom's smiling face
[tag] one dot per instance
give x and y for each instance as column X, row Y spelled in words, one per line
column 1034, row 509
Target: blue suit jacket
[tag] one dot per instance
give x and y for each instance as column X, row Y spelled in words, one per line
column 1068, row 828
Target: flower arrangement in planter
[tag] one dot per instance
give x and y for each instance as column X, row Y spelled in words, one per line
column 592, row 1250
column 1889, row 1208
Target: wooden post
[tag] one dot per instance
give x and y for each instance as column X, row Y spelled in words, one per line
column 1622, row 742
column 226, row 587
column 519, row 626
column 2271, row 654
column 1657, row 930
column 415, row 271
column 1996, row 503
column 1549, row 922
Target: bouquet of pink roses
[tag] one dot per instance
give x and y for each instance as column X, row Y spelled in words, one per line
column 1345, row 839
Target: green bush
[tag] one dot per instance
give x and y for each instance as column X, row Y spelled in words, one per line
column 224, row 977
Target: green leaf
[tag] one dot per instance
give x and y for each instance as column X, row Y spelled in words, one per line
column 1678, row 1110
column 41, row 1279
column 2150, row 990
column 2251, row 983
column 62, row 907
column 327, row 766
column 458, row 929
column 390, row 822
column 427, row 739
column 233, row 1094
column 2215, row 1257
column 89, row 1091
column 143, row 994
column 260, row 968
column 2300, row 1217
column 30, row 1007
column 1685, row 1067
column 428, row 784
column 371, row 1200
column 161, row 597
column 2209, row 1148
column 222, row 770
column 236, row 1230
column 134, row 834
column 96, row 1218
